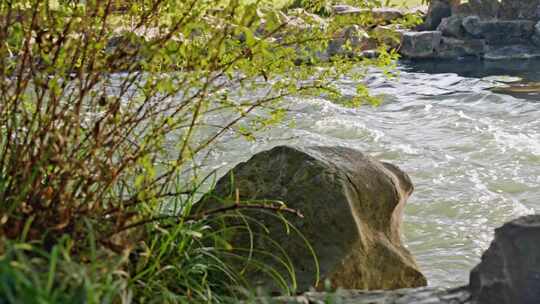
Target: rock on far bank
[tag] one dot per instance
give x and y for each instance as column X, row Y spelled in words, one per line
column 420, row 44
column 485, row 9
column 499, row 32
column 515, row 52
column 438, row 10
column 380, row 14
column 352, row 206
column 520, row 9
column 487, row 29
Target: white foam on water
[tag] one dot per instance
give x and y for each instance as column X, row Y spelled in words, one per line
column 474, row 157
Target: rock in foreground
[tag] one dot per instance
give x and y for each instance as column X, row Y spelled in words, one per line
column 509, row 273
column 427, row 295
column 352, row 207
column 510, row 269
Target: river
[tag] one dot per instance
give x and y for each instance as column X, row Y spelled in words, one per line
column 473, row 155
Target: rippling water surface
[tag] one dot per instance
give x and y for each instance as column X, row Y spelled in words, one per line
column 473, row 155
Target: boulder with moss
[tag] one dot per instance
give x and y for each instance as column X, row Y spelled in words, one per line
column 352, row 209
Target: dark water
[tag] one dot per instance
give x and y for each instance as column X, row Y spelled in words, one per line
column 475, row 68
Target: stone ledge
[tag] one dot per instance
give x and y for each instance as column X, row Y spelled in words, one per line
column 513, row 52
column 425, row 295
column 510, row 30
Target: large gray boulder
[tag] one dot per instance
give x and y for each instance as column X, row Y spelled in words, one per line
column 452, row 27
column 520, row 9
column 386, row 14
column 507, row 32
column 354, row 37
column 420, row 44
column 438, row 9
column 471, row 25
column 452, row 48
column 352, row 206
column 498, row 32
column 485, row 9
column 510, row 269
column 388, row 35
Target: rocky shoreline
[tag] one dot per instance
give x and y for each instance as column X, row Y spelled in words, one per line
column 424, row 295
column 485, row 29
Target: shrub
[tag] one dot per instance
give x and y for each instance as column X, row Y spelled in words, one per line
column 106, row 112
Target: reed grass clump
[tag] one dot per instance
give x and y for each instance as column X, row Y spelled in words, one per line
column 107, row 112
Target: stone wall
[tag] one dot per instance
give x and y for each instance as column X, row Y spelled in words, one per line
column 486, row 29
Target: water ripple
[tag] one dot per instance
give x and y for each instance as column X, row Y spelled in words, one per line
column 473, row 155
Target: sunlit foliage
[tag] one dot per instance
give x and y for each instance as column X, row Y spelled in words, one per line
column 107, row 108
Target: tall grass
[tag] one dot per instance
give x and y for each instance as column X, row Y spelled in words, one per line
column 189, row 261
column 106, row 110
